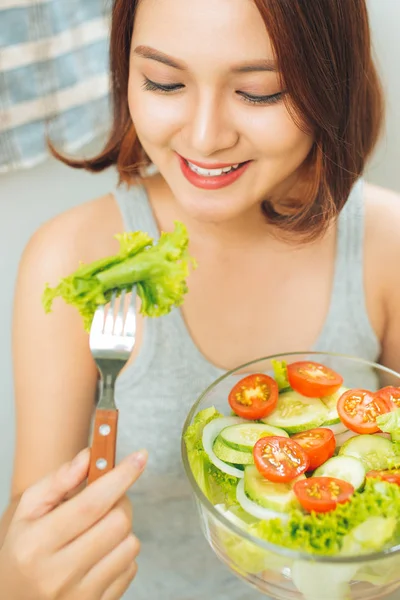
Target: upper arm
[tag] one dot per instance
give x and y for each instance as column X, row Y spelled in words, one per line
column 391, row 340
column 385, row 229
column 54, row 374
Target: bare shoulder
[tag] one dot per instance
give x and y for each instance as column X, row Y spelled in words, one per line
column 382, row 254
column 382, row 208
column 382, row 245
column 82, row 233
column 382, row 224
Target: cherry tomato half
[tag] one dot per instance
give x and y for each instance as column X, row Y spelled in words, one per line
column 280, row 459
column 358, row 410
column 313, row 380
column 322, row 494
column 319, row 444
column 254, row 396
column 391, row 394
column 392, row 476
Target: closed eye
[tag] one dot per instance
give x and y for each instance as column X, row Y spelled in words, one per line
column 153, row 86
column 261, row 100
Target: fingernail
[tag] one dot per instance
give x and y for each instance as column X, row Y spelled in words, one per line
column 139, row 459
column 80, row 459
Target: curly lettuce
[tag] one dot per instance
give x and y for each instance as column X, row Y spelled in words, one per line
column 390, row 423
column 316, row 580
column 336, row 532
column 159, row 271
column 217, row 486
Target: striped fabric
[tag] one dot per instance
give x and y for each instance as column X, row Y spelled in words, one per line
column 53, row 77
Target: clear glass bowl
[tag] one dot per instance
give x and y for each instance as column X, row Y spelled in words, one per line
column 276, row 571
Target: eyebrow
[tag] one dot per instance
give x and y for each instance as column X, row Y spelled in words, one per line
column 246, row 67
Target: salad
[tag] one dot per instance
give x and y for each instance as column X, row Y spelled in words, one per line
column 159, row 271
column 303, row 462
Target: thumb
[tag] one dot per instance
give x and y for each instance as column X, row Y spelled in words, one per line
column 49, row 492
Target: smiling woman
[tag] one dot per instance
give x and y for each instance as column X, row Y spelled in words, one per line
column 323, row 121
column 259, row 117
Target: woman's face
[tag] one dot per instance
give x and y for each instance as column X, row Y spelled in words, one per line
column 205, row 96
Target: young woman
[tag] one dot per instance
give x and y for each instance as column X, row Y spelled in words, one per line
column 260, row 116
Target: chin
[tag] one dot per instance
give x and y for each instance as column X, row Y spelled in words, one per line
column 213, row 207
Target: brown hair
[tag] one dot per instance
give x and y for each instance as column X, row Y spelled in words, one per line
column 323, row 49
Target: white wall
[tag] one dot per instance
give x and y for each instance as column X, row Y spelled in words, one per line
column 385, row 21
column 29, row 198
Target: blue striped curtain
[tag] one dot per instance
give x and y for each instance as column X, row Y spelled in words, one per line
column 53, row 77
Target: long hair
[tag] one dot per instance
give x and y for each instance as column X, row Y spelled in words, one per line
column 323, row 50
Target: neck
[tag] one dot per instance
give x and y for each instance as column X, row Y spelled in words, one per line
column 250, row 229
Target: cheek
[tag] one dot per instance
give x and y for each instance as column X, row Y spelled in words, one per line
column 283, row 139
column 156, row 118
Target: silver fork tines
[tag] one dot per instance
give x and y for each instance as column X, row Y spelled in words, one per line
column 112, row 336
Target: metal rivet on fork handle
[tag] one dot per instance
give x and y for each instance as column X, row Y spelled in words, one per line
column 104, row 430
column 101, row 464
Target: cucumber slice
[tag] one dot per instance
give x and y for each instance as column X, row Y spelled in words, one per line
column 254, row 509
column 229, row 455
column 237, row 511
column 243, row 437
column 295, row 413
column 279, row 497
column 370, row 536
column 373, row 451
column 236, row 515
column 336, row 428
column 346, row 468
column 331, row 404
column 210, row 434
column 342, row 438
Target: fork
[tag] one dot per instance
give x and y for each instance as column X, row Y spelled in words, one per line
column 112, row 338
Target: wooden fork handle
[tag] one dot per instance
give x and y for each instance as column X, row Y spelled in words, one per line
column 102, row 457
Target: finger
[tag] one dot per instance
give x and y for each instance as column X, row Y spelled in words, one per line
column 84, row 510
column 48, row 493
column 111, row 567
column 88, row 549
column 126, row 506
column 120, row 586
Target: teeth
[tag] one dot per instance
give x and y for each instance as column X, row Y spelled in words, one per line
column 211, row 172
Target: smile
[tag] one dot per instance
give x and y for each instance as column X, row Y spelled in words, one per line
column 211, row 172
column 211, row 176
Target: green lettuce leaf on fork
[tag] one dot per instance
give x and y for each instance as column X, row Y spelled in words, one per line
column 159, row 271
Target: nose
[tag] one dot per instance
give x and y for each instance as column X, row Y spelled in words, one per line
column 211, row 129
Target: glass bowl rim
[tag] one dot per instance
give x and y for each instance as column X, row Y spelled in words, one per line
column 268, row 546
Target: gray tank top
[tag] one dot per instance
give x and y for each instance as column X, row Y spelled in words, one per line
column 155, row 394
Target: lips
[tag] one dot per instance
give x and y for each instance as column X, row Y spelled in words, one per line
column 211, row 176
